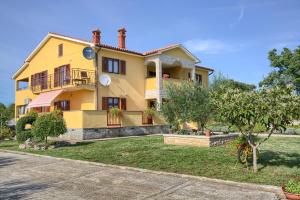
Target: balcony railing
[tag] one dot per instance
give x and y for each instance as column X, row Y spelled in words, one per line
column 75, row 77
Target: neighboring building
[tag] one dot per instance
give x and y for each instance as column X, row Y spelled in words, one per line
column 56, row 75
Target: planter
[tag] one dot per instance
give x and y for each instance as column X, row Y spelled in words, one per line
column 290, row 195
column 198, row 140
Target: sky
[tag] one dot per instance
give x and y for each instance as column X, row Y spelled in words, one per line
column 230, row 36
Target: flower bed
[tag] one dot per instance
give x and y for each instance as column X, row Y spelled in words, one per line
column 199, row 140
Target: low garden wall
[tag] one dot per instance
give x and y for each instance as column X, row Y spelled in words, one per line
column 98, row 133
column 199, row 140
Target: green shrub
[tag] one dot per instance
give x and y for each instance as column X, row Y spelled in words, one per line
column 6, row 132
column 51, row 124
column 183, row 132
column 32, row 113
column 293, row 187
column 22, row 134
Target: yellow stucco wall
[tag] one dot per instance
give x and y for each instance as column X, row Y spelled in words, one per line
column 178, row 52
column 129, row 86
column 47, row 59
column 204, row 74
column 73, row 119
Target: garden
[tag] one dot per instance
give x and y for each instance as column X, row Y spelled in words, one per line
column 192, row 110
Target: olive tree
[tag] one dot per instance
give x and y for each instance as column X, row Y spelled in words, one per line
column 186, row 102
column 273, row 108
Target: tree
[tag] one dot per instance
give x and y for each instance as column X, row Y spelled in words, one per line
column 186, row 102
column 51, row 124
column 273, row 108
column 286, row 67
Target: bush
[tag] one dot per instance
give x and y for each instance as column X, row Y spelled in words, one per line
column 184, row 132
column 293, row 187
column 32, row 113
column 6, row 132
column 22, row 134
column 51, row 124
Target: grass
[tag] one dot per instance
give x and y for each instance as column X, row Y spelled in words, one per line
column 279, row 158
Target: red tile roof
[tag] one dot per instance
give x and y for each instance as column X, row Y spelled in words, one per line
column 160, row 49
column 120, row 49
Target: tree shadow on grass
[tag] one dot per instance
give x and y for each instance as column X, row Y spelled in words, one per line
column 81, row 144
column 19, row 189
column 271, row 158
column 5, row 161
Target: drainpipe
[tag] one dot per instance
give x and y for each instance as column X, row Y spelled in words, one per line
column 96, row 76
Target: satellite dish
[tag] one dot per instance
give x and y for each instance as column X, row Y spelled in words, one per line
column 88, row 53
column 105, row 80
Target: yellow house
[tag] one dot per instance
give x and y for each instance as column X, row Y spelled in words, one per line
column 85, row 79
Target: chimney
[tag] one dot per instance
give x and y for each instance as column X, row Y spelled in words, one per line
column 122, row 36
column 96, row 37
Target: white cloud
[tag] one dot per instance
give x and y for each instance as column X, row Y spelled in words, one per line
column 241, row 15
column 209, row 46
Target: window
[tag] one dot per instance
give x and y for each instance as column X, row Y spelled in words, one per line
column 62, row 105
column 21, row 110
column 60, row 50
column 40, row 80
column 112, row 65
column 42, row 109
column 113, row 102
column 199, row 78
column 22, row 84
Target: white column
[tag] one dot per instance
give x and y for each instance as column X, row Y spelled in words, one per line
column 159, row 82
column 193, row 74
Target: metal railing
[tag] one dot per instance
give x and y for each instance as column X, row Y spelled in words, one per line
column 75, row 77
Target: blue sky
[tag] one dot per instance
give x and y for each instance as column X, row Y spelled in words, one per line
column 231, row 36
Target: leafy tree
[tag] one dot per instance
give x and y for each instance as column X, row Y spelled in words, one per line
column 286, row 67
column 272, row 108
column 187, row 102
column 51, row 124
column 220, row 83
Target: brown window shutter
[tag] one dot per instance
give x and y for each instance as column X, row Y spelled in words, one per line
column 123, row 103
column 68, row 76
column 123, row 67
column 104, row 103
column 32, row 80
column 56, row 77
column 67, row 105
column 104, row 64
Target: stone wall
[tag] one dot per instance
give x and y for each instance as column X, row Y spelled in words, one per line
column 197, row 140
column 97, row 133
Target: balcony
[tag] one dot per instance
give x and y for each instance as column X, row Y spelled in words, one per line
column 73, row 79
column 151, row 88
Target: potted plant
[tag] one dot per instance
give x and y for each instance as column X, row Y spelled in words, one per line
column 292, row 190
column 115, row 112
column 149, row 113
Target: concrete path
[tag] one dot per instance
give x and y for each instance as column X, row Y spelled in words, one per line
column 34, row 177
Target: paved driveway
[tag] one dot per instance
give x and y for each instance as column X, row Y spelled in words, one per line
column 32, row 177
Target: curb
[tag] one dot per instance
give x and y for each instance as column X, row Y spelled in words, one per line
column 252, row 186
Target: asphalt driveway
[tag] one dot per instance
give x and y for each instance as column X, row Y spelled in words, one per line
column 32, row 177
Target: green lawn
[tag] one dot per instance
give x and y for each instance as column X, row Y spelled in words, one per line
column 279, row 158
